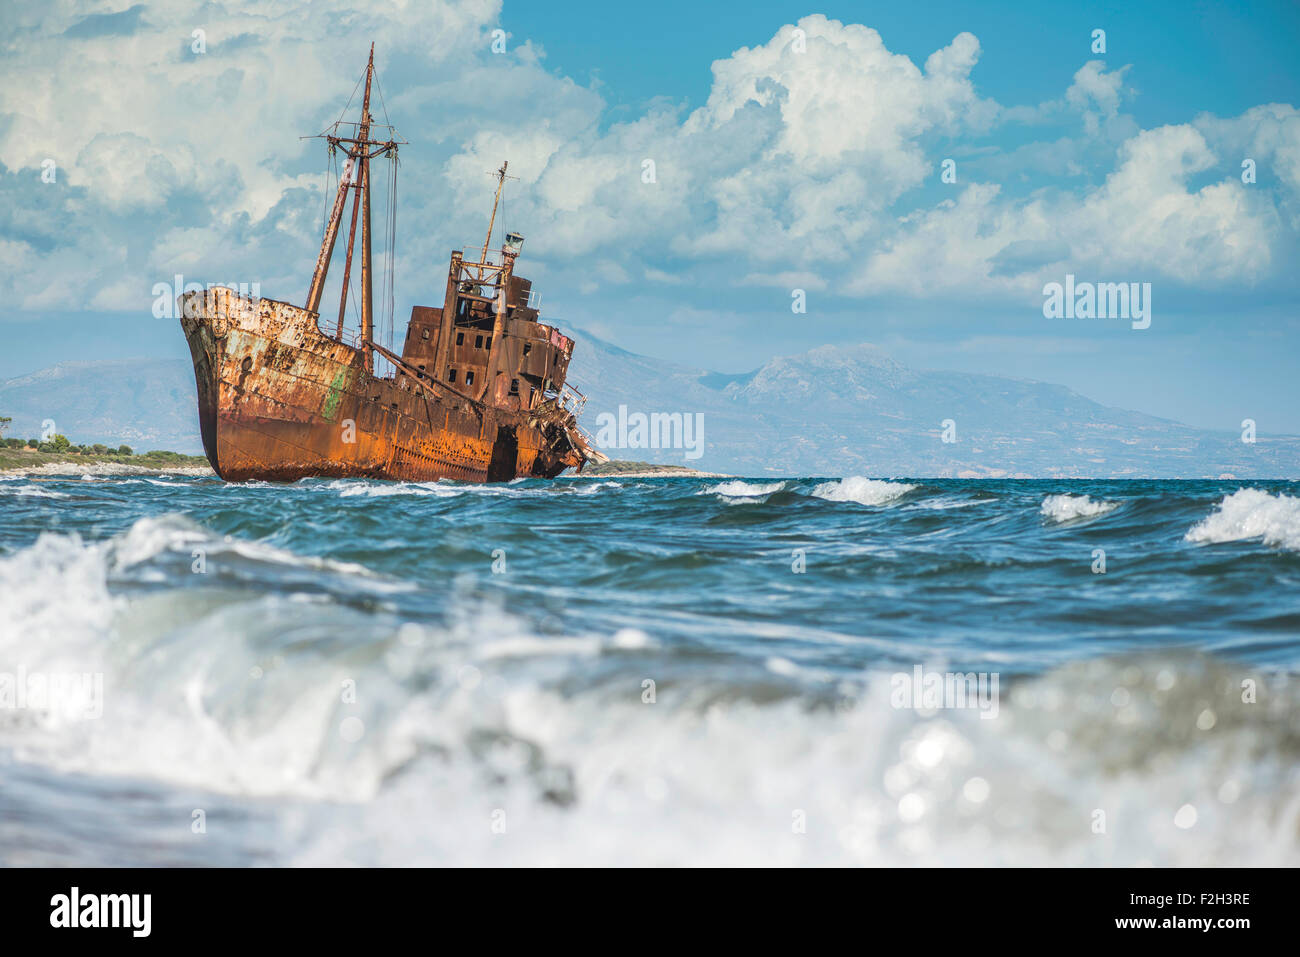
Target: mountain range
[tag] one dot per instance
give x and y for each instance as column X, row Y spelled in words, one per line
column 853, row 410
column 145, row 403
column 836, row 410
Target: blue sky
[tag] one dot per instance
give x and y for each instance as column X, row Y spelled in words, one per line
column 1194, row 57
column 777, row 169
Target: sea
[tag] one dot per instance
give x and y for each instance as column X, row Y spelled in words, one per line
column 649, row 671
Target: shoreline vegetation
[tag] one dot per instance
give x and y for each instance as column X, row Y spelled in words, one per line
column 26, row 460
column 55, row 454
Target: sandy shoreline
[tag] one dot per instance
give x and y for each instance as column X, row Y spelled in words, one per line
column 660, row 473
column 122, row 468
column 103, row 468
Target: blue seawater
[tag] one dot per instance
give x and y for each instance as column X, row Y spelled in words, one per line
column 648, row 671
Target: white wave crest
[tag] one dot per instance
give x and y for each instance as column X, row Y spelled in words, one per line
column 354, row 489
column 747, row 490
column 591, row 488
column 1066, row 508
column 864, row 491
column 892, row 788
column 1252, row 513
column 31, row 491
column 194, row 686
column 483, row 711
column 944, row 504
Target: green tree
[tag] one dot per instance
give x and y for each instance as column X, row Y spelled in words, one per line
column 60, row 442
column 32, row 443
column 124, row 450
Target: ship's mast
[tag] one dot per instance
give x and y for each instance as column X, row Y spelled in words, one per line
column 367, row 319
column 361, row 149
column 501, row 181
column 352, row 230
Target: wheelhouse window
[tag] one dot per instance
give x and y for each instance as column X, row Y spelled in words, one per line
column 469, row 377
column 451, row 375
column 460, row 338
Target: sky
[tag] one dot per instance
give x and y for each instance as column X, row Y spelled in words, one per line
column 689, row 173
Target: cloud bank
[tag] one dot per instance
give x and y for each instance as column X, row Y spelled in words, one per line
column 814, row 162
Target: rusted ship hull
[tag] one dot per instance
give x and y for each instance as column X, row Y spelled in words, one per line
column 280, row 401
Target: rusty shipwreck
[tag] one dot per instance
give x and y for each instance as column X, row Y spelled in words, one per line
column 477, row 393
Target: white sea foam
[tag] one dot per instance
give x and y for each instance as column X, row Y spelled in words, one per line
column 235, row 690
column 591, row 488
column 354, row 489
column 31, row 491
column 743, row 490
column 1252, row 513
column 351, row 488
column 238, row 694
column 584, row 777
column 177, row 665
column 864, row 491
column 1067, row 508
column 943, row 504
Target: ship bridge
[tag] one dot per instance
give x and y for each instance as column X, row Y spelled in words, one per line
column 485, row 340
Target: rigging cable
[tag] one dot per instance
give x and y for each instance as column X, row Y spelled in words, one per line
column 392, row 258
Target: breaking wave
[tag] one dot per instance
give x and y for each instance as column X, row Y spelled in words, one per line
column 318, row 676
column 30, row 491
column 356, row 488
column 1067, row 508
column 745, row 490
column 387, row 489
column 256, row 694
column 864, row 491
column 1249, row 514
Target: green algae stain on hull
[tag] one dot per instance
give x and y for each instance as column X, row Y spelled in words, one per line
column 330, row 407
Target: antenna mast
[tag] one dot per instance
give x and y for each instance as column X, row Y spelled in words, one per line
column 501, row 181
column 496, row 200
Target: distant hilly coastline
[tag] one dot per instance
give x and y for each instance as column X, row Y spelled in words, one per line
column 836, row 410
column 853, row 410
column 143, row 403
